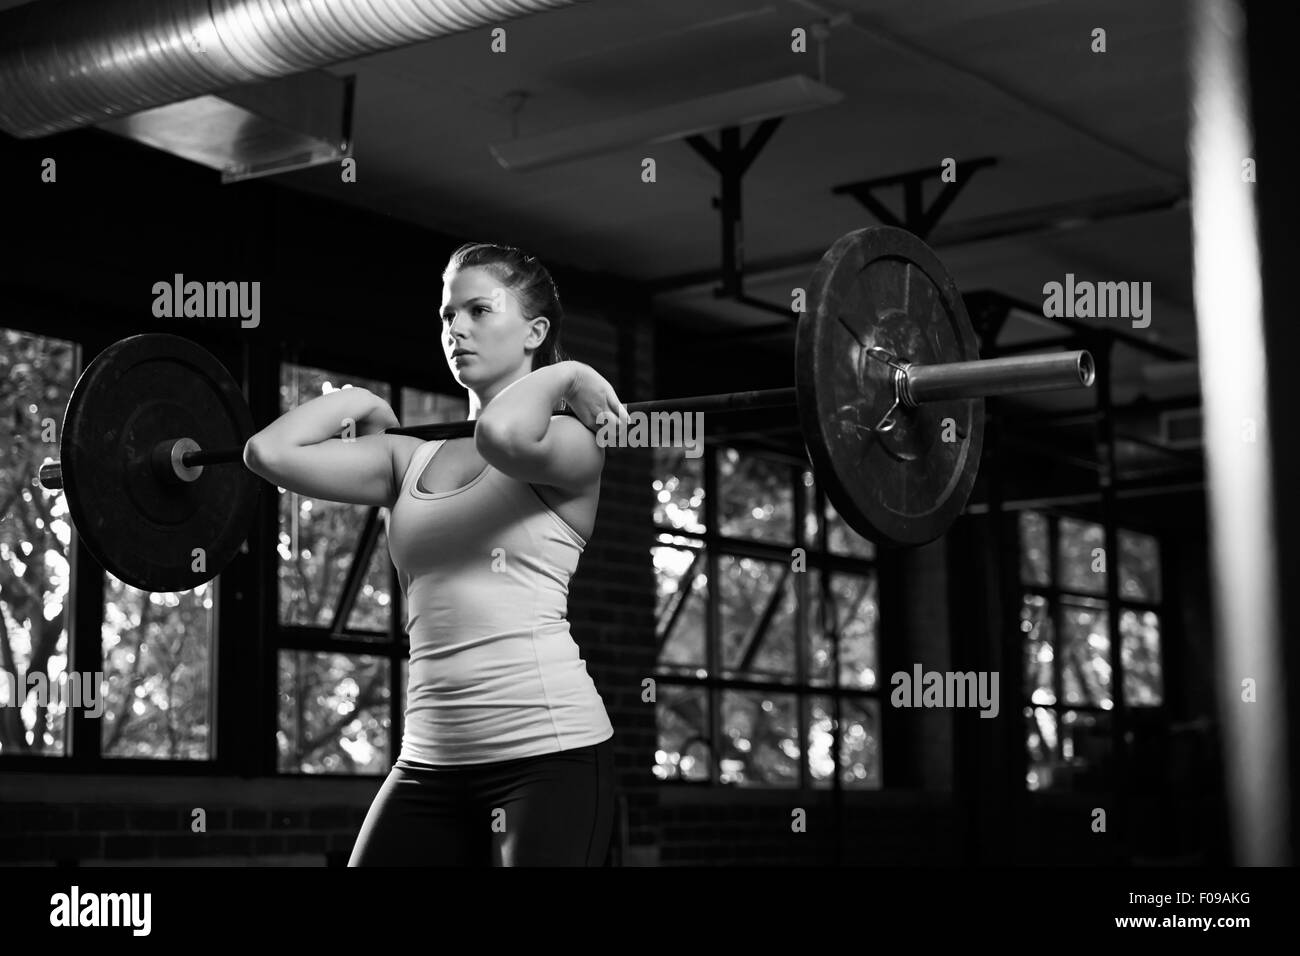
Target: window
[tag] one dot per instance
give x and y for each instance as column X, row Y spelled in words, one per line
column 36, row 377
column 340, row 609
column 752, row 671
column 1068, row 660
column 158, row 651
column 149, row 685
column 339, row 648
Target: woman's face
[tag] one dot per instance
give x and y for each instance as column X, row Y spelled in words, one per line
column 484, row 333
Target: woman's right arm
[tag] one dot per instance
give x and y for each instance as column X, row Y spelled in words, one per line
column 302, row 451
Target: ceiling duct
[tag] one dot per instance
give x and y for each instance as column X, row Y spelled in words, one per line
column 71, row 63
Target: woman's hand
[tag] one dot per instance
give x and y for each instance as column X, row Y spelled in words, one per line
column 379, row 417
column 591, row 396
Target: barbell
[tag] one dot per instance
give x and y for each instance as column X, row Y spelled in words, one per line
column 888, row 384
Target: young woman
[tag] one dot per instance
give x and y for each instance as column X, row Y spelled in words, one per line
column 507, row 754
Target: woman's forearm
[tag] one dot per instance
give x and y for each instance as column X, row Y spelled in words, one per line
column 316, row 421
column 521, row 413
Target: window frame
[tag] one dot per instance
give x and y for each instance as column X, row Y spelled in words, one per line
column 336, row 637
column 243, row 737
column 87, row 583
column 1121, row 723
column 714, row 545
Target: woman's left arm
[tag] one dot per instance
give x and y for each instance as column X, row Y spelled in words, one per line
column 517, row 434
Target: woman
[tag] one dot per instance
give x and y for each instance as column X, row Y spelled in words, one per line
column 507, row 753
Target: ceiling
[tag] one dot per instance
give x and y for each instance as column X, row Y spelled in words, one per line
column 923, row 80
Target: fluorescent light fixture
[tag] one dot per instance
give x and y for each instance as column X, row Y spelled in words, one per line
column 255, row 130
column 748, row 104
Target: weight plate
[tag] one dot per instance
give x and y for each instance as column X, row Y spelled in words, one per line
column 145, row 530
column 882, row 286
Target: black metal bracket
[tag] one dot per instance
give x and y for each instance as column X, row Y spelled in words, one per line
column 730, row 158
column 917, row 218
column 989, row 309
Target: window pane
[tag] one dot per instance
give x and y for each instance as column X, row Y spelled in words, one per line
column 302, row 383
column 317, row 538
column 402, row 684
column 758, row 605
column 1143, row 676
column 854, row 614
column 1072, row 752
column 1085, row 654
column 682, row 714
column 158, row 669
column 860, row 757
column 1139, row 568
column 680, row 609
column 844, row 540
column 1080, row 550
column 1033, row 549
column 373, row 606
column 757, row 497
column 680, row 540
column 318, row 541
column 427, row 408
column 679, row 489
column 334, row 713
column 1040, row 649
column 1086, row 747
column 810, row 523
column 36, row 377
column 1040, row 744
column 760, row 739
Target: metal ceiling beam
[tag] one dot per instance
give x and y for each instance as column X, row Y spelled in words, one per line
column 1060, row 217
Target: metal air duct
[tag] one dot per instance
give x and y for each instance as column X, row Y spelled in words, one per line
column 70, row 63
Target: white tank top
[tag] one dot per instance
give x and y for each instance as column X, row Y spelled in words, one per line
column 494, row 672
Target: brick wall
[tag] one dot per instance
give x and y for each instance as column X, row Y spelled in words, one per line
column 85, row 832
column 753, row 828
column 612, row 596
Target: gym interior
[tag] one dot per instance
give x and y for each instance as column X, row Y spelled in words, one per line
column 1092, row 176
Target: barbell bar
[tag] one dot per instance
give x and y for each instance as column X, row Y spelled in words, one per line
column 889, row 388
column 181, row 459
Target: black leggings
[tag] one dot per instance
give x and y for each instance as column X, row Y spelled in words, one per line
column 555, row 809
